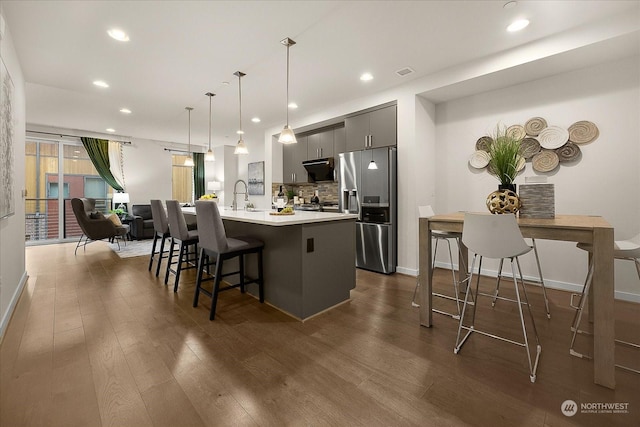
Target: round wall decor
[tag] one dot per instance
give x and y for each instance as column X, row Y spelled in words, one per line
column 529, row 147
column 483, row 143
column 479, row 159
column 553, row 137
column 583, row 132
column 535, row 125
column 545, row 161
column 516, row 132
column 568, row 152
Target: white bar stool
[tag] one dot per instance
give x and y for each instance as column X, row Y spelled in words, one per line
column 427, row 212
column 480, row 234
column 540, row 281
column 624, row 249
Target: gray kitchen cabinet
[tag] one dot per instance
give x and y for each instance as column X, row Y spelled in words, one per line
column 320, row 145
column 292, row 157
column 374, row 129
column 339, row 141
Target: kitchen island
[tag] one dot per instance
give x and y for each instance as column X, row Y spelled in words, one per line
column 309, row 257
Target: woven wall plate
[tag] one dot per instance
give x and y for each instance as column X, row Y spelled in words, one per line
column 529, row 147
column 479, row 159
column 568, row 152
column 521, row 163
column 545, row 161
column 534, row 126
column 483, row 143
column 583, row 132
column 516, row 131
column 553, row 137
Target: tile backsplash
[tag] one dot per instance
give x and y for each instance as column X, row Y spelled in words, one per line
column 327, row 191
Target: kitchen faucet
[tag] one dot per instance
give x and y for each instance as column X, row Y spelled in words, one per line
column 234, row 204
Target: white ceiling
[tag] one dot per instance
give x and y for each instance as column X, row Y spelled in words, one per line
column 180, row 50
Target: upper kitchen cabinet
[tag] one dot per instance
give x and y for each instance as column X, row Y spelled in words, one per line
column 292, row 157
column 373, row 129
column 339, row 141
column 320, row 145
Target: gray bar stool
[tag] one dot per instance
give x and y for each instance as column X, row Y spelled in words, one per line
column 625, row 250
column 445, row 236
column 479, row 234
column 161, row 231
column 214, row 244
column 185, row 238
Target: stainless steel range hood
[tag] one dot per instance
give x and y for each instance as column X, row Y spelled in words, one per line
column 320, row 169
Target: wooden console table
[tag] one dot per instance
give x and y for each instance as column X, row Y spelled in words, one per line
column 572, row 228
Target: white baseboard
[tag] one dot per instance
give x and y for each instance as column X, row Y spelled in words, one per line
column 551, row 284
column 6, row 317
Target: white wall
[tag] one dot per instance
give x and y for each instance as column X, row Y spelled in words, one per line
column 12, row 257
column 604, row 182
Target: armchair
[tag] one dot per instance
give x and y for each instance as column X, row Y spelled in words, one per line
column 93, row 224
column 141, row 222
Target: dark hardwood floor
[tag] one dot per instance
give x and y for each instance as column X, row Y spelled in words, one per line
column 97, row 340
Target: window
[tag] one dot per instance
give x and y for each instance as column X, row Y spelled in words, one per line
column 52, row 190
column 181, row 180
column 48, row 214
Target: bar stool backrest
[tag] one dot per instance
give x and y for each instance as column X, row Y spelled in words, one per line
column 493, row 236
column 177, row 224
column 210, row 227
column 160, row 221
column 425, row 211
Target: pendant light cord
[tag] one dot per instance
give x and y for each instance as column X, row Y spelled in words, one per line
column 209, row 122
column 287, row 106
column 240, row 95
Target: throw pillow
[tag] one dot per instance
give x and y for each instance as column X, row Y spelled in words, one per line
column 115, row 219
column 96, row 215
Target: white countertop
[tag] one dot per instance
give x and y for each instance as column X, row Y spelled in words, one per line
column 263, row 216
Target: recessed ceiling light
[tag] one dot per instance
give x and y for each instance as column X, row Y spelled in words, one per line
column 517, row 25
column 293, row 105
column 110, row 130
column 119, row 35
column 256, row 120
column 225, row 83
column 366, row 77
column 125, row 111
column 100, row 83
column 240, row 132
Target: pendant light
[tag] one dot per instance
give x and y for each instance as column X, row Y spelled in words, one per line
column 372, row 163
column 241, row 148
column 287, row 136
column 189, row 160
column 209, row 157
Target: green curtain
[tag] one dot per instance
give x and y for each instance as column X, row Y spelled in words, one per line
column 98, row 150
column 198, row 175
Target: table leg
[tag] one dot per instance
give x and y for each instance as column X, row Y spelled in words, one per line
column 424, row 272
column 603, row 303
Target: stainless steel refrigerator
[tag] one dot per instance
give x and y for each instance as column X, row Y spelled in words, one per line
column 372, row 194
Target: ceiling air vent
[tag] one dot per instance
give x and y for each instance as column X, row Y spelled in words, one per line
column 405, row 71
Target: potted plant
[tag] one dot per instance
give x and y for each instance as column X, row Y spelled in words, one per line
column 505, row 157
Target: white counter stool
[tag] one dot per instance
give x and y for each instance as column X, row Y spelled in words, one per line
column 215, row 245
column 479, row 234
column 185, row 238
column 427, row 212
column 161, row 232
column 624, row 249
column 540, row 281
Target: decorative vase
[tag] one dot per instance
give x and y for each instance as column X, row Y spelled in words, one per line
column 511, row 187
column 503, row 201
